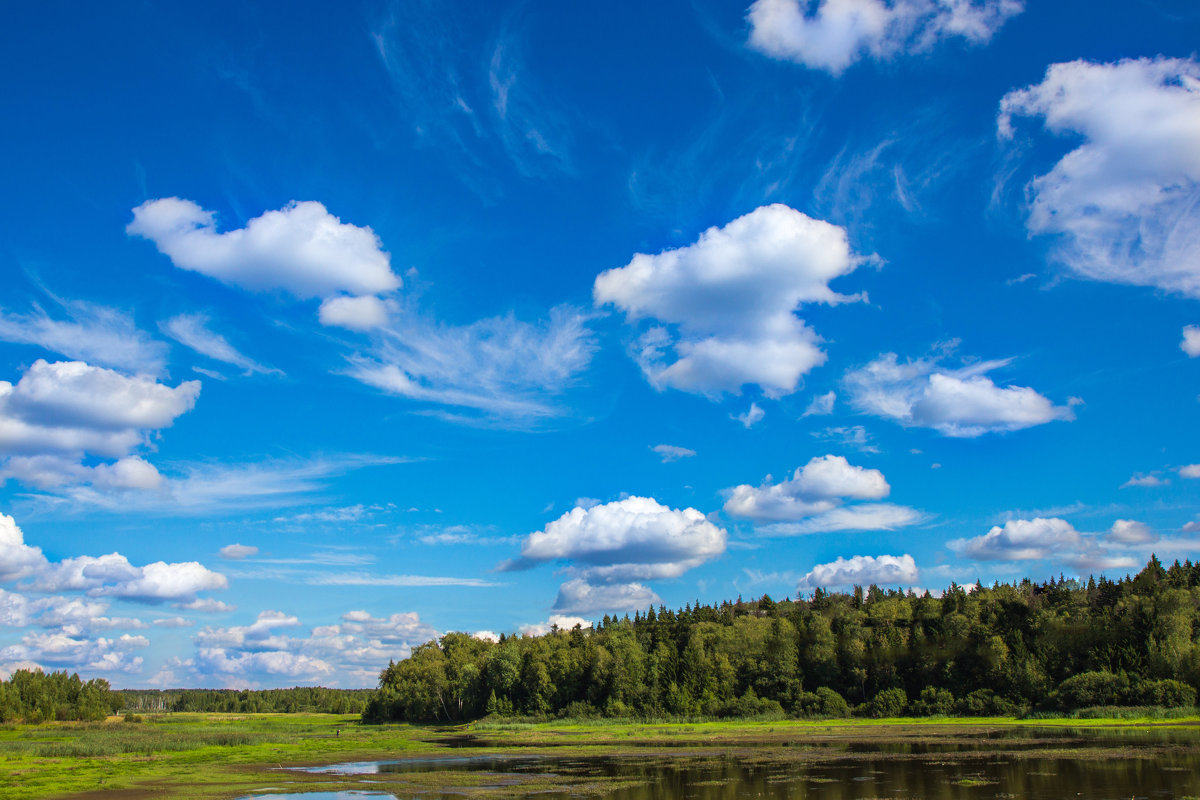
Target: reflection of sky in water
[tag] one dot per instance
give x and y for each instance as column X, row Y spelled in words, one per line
column 347, row 795
column 928, row 769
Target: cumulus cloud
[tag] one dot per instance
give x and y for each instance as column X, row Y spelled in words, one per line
column 861, row 571
column 1124, row 202
column 191, row 330
column 1191, row 340
column 632, row 539
column 62, row 650
column 275, row 645
column 670, row 452
column 113, row 575
column 960, row 402
column 109, row 575
column 725, row 304
column 578, row 596
column 301, row 249
column 831, row 35
column 354, row 313
column 234, row 552
column 562, row 622
column 17, row 559
column 1189, row 471
column 1020, row 540
column 1128, row 531
column 501, row 366
column 820, row 485
column 70, row 407
column 74, row 616
column 93, row 333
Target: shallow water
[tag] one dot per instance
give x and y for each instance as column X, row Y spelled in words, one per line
column 1087, row 765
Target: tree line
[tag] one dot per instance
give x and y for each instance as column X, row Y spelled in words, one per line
column 1006, row 649
column 309, row 699
column 34, row 696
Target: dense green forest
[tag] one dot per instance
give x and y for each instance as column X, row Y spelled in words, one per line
column 1007, row 649
column 34, row 696
column 311, row 699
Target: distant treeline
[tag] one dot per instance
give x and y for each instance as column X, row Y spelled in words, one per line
column 1006, row 649
column 313, row 699
column 34, row 696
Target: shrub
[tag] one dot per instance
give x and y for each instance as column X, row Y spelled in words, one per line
column 888, row 703
column 1098, row 688
column 933, row 702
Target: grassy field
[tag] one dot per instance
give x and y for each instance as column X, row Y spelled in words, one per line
column 228, row 756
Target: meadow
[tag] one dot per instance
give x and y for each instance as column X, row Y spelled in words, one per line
column 233, row 755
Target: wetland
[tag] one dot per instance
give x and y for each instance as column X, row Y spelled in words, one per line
column 318, row 757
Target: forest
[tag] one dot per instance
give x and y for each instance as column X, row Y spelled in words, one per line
column 34, row 696
column 306, row 699
column 1007, row 649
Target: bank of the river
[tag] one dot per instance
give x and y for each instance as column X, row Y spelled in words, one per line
column 227, row 756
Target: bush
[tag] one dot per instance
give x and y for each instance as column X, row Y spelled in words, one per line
column 1098, row 688
column 824, row 702
column 933, row 702
column 888, row 703
column 1165, row 693
column 986, row 703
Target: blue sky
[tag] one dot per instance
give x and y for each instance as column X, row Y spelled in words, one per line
column 326, row 332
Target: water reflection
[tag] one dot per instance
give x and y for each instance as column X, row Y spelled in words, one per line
column 349, row 795
column 1039, row 764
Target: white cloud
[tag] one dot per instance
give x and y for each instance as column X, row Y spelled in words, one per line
column 670, row 452
column 1103, row 561
column 561, row 621
column 751, row 416
column 1191, row 340
column 729, row 300
column 70, row 407
column 1128, row 531
column 821, row 485
column 206, row 488
column 821, row 405
column 861, row 571
column 191, row 330
column 1124, row 202
column 1020, row 540
column 1189, row 471
column 1145, row 480
column 501, row 366
column 174, row 622
column 17, row 559
column 94, row 334
column 238, row 551
column 832, row 34
column 577, row 596
column 632, row 539
column 861, row 517
column 301, row 248
column 74, row 616
column 206, row 605
column 63, row 650
column 131, row 472
column 348, row 653
column 354, row 313
column 961, row 403
column 113, row 576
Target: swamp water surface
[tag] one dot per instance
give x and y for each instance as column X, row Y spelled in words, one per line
column 1026, row 763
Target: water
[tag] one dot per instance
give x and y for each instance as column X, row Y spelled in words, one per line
column 1033, row 765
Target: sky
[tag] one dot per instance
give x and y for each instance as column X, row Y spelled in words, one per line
column 326, row 332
